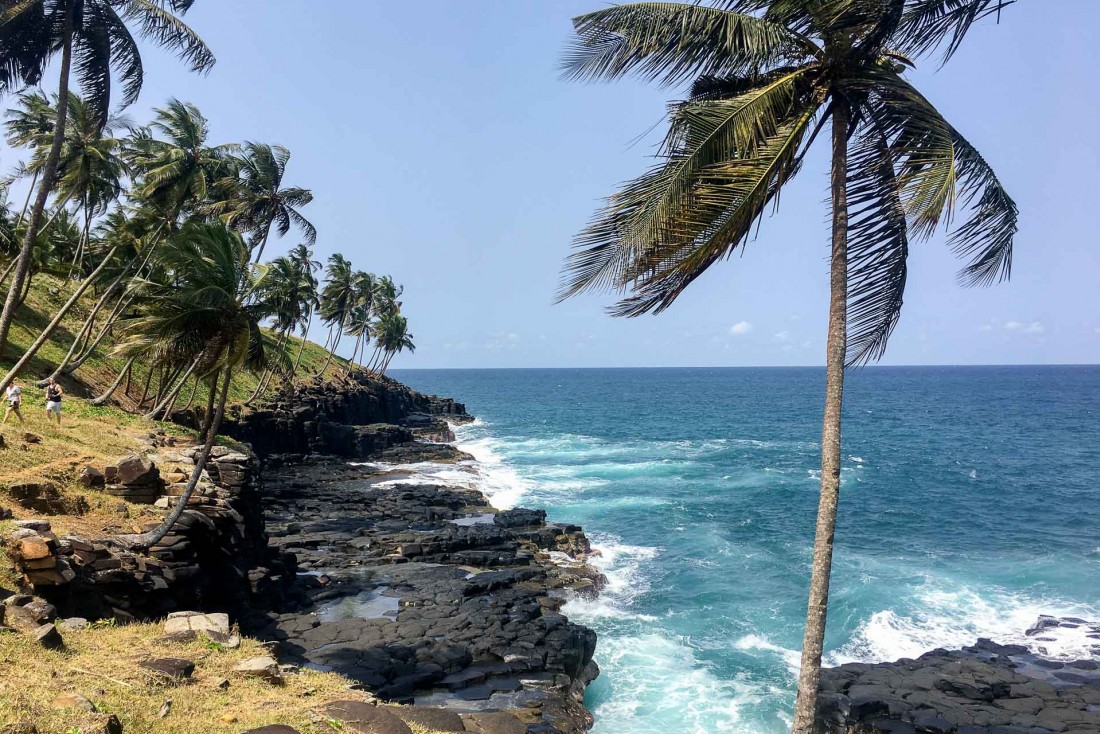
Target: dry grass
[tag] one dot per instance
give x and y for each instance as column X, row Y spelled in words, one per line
column 101, row 664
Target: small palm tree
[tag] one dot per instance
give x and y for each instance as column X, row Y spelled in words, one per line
column 393, row 337
column 767, row 75
column 255, row 200
column 359, row 321
column 338, row 299
column 290, row 295
column 207, row 313
column 100, row 35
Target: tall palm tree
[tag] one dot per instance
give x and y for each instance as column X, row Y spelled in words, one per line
column 100, row 36
column 176, row 169
column 338, row 299
column 767, row 75
column 302, row 257
column 359, row 321
column 206, row 314
column 255, row 200
column 290, row 295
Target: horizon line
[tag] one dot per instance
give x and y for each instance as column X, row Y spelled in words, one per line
column 750, row 367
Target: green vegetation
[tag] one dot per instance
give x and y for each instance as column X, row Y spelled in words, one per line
column 766, row 76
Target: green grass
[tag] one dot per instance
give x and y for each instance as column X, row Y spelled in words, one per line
column 49, row 293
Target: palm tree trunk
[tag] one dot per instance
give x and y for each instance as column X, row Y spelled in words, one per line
column 265, row 378
column 150, row 539
column 194, row 392
column 813, row 643
column 82, row 244
column 125, row 372
column 27, row 201
column 7, row 270
column 33, row 349
column 49, row 174
column 173, row 392
column 85, row 333
column 335, row 343
column 208, row 416
column 145, row 390
column 302, row 348
column 263, row 243
column 120, row 307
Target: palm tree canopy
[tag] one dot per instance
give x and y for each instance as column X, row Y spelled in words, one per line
column 338, row 294
column 255, row 200
column 103, row 42
column 208, row 308
column 766, row 75
column 176, row 168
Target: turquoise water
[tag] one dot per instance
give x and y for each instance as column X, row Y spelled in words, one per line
column 969, row 507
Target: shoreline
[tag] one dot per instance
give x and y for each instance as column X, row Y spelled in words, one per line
column 394, row 548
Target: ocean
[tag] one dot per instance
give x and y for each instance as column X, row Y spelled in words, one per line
column 970, row 505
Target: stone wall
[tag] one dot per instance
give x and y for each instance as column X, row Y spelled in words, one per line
column 216, row 557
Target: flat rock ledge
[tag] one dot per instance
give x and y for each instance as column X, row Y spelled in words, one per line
column 983, row 689
column 427, row 596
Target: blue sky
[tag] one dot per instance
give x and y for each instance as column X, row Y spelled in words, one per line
column 443, row 149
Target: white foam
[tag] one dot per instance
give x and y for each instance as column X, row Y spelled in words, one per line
column 791, row 658
column 954, row 618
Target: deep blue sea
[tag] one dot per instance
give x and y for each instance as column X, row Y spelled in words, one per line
column 970, row 505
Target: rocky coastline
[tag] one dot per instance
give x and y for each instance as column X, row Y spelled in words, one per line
column 416, row 588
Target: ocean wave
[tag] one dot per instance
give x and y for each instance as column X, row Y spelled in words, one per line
column 954, row 618
column 654, row 684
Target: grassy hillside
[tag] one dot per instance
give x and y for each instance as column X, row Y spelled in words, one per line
column 46, row 297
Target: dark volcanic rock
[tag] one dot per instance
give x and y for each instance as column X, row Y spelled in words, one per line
column 419, row 603
column 983, row 689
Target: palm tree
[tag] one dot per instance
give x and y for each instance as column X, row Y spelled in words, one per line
column 205, row 314
column 255, row 200
column 302, row 257
column 100, row 35
column 359, row 321
column 290, row 295
column 338, row 299
column 30, row 125
column 768, row 75
column 176, row 170
column 393, row 337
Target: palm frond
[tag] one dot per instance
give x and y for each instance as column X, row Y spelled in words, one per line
column 928, row 24
column 673, row 42
column 878, row 247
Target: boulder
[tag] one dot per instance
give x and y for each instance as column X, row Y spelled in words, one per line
column 38, row 526
column 266, row 668
column 183, row 621
column 48, row 637
column 494, row 723
column 365, row 718
column 432, row 719
column 172, row 669
column 91, row 477
column 29, row 616
column 136, row 470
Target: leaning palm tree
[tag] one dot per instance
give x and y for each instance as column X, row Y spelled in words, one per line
column 30, row 125
column 338, row 299
column 205, row 314
column 99, row 35
column 767, row 76
column 255, row 200
column 393, row 337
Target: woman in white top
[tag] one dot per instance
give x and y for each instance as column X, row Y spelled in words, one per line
column 14, row 395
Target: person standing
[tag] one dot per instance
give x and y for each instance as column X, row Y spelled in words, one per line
column 14, row 395
column 53, row 401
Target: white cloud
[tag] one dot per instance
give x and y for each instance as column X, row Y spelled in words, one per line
column 782, row 336
column 1034, row 327
column 741, row 328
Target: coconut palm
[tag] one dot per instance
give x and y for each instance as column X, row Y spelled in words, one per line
column 359, row 321
column 206, row 315
column 393, row 337
column 767, row 76
column 302, row 257
column 176, row 170
column 291, row 294
column 255, row 200
column 338, row 299
column 30, row 125
column 100, row 36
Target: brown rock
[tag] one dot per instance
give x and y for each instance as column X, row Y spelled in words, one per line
column 136, row 470
column 48, row 637
column 262, row 667
column 28, row 616
column 35, row 548
column 172, row 669
column 433, row 719
column 365, row 718
column 31, row 438
column 494, row 723
column 72, row 701
column 91, row 477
